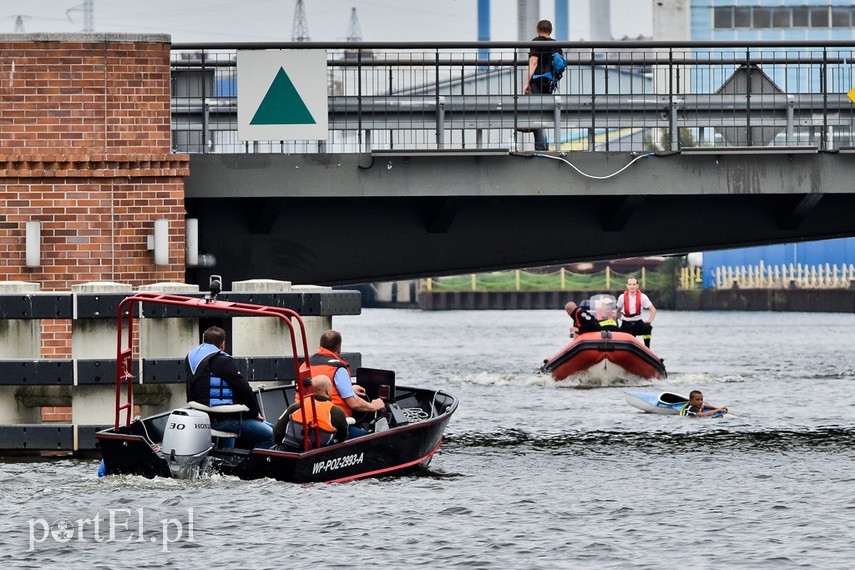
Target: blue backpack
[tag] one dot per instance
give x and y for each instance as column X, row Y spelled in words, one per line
column 559, row 64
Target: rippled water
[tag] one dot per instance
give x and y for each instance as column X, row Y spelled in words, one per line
column 531, row 474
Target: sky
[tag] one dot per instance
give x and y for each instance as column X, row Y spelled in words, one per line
column 328, row 20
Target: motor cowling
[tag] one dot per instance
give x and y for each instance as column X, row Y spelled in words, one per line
column 186, row 442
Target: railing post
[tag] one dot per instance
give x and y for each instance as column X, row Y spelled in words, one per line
column 205, row 110
column 748, row 133
column 823, row 81
column 790, row 119
column 592, row 132
column 440, row 122
column 556, row 118
column 207, row 142
column 672, row 126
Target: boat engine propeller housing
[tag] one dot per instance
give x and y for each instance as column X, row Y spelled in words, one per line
column 186, row 443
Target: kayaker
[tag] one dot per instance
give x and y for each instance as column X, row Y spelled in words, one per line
column 696, row 407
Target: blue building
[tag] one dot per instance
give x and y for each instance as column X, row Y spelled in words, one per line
column 776, row 20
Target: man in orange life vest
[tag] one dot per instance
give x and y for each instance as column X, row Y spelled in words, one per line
column 330, row 419
column 346, row 395
column 629, row 307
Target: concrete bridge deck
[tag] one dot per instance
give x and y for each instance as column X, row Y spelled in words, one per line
column 428, row 169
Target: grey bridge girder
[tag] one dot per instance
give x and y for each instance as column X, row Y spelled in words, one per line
column 351, row 218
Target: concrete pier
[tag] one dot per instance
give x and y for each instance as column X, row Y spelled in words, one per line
column 79, row 369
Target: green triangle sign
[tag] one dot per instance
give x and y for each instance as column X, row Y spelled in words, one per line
column 282, row 105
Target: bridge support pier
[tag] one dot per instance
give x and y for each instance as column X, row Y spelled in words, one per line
column 95, row 339
column 19, row 339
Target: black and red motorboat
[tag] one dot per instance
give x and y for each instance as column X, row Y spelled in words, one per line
column 180, row 443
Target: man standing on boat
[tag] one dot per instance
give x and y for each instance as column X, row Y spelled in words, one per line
column 629, row 307
column 213, row 379
column 345, row 394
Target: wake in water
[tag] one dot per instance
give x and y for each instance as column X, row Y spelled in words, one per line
column 831, row 439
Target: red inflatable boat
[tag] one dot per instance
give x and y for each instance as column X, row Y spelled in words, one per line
column 605, row 356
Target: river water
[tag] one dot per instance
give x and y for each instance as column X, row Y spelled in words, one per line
column 532, row 474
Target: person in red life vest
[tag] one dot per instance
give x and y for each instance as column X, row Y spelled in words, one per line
column 629, row 307
column 583, row 321
column 345, row 394
column 324, row 416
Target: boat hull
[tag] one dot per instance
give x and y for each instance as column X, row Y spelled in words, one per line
column 605, row 356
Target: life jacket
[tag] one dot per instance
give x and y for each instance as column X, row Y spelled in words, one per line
column 588, row 324
column 684, row 411
column 326, row 362
column 637, row 304
column 219, row 393
column 323, row 422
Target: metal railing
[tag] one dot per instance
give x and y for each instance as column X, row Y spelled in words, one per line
column 614, row 96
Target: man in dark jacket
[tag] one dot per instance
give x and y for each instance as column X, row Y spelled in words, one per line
column 583, row 321
column 213, row 379
column 539, row 63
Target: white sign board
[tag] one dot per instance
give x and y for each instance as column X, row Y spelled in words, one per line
column 282, row 95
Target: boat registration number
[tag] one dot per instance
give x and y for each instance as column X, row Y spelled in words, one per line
column 337, row 463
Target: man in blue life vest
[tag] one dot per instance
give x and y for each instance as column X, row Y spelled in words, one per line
column 629, row 308
column 324, row 416
column 213, row 379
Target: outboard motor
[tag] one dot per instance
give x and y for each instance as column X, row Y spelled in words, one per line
column 186, row 443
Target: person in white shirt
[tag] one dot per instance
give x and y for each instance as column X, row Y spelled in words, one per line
column 629, row 309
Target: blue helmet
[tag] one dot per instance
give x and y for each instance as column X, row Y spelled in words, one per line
column 585, row 305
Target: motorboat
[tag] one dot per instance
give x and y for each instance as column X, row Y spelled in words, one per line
column 664, row 403
column 605, row 356
column 181, row 444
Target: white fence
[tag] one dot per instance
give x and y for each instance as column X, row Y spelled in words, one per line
column 789, row 276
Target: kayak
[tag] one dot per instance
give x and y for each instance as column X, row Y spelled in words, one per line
column 664, row 403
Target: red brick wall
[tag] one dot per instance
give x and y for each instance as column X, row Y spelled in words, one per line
column 75, row 98
column 85, row 149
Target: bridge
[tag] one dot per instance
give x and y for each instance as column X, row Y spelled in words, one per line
column 428, row 166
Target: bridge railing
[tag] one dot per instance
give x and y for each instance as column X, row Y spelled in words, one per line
column 614, row 96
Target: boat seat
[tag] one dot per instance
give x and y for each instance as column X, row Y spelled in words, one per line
column 224, row 439
column 227, row 409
